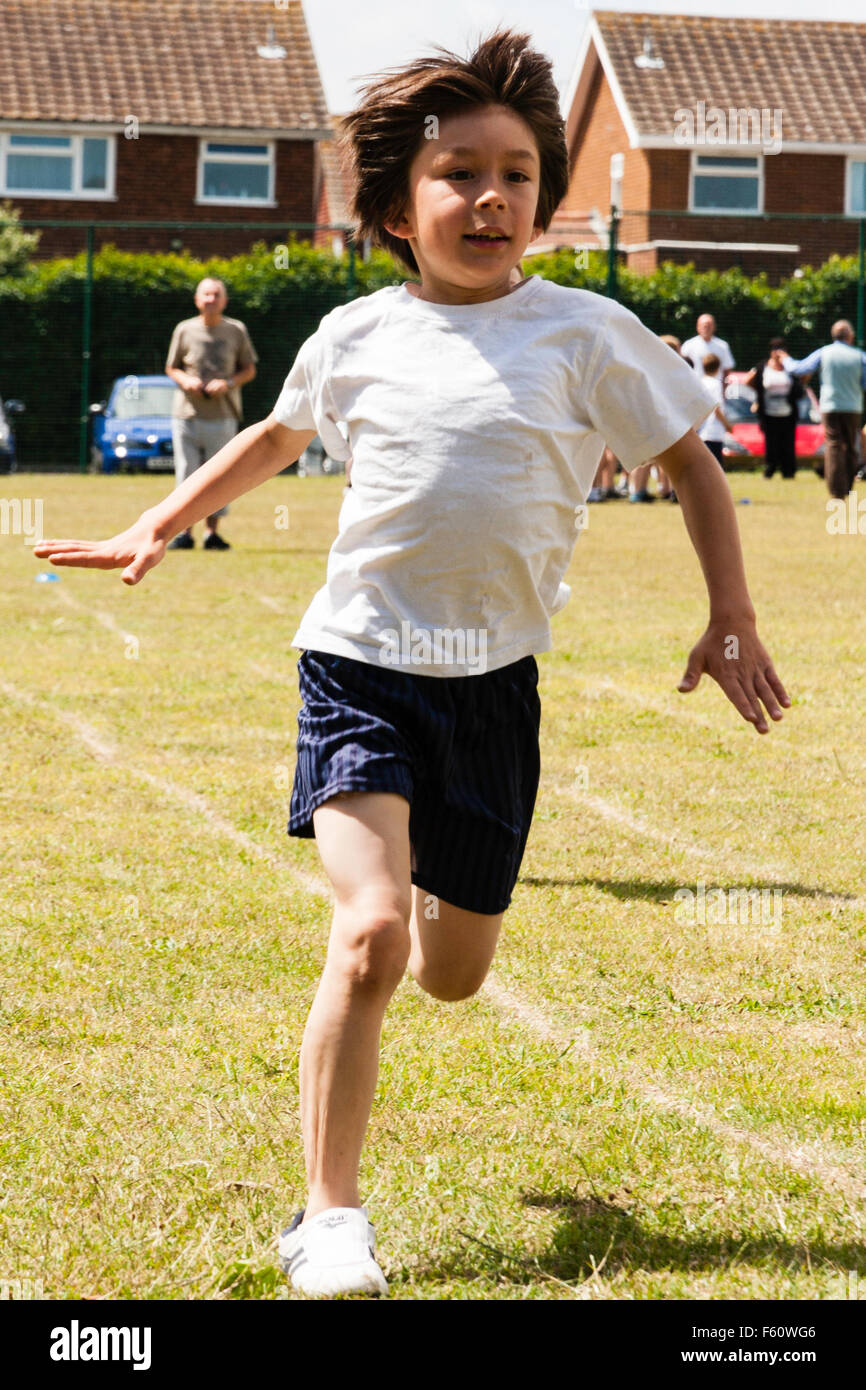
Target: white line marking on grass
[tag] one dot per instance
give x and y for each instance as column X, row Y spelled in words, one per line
column 109, row 753
column 829, row 1167
column 594, row 688
column 271, row 603
column 763, row 873
column 104, row 618
column 511, row 1003
column 808, row 1159
column 811, row 1160
column 636, row 825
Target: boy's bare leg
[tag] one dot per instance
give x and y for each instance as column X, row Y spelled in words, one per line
column 451, row 952
column 363, row 839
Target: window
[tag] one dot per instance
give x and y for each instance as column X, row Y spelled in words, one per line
column 726, row 183
column 236, row 172
column 33, row 165
column 856, row 199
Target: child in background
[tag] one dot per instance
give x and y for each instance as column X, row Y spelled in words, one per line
column 712, row 431
column 476, row 412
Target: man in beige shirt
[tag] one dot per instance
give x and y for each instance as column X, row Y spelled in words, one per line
column 211, row 358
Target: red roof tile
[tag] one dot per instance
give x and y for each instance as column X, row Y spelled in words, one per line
column 813, row 71
column 182, row 63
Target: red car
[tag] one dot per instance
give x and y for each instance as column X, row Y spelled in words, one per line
column 744, row 446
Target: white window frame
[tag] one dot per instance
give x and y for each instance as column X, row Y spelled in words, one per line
column 76, row 150
column 852, row 159
column 268, row 160
column 727, row 152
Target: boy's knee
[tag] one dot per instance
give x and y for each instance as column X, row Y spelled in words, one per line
column 372, row 946
column 449, row 987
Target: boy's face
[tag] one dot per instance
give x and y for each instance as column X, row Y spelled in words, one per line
column 481, row 171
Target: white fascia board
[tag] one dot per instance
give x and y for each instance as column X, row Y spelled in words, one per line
column 236, row 133
column 145, row 128
column 577, row 76
column 667, row 142
column 619, row 100
column 662, row 245
column 65, row 127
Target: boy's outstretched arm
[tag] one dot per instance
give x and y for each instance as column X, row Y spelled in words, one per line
column 730, row 650
column 257, row 453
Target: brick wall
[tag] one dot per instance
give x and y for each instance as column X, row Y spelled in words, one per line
column 156, row 180
column 600, row 134
column 808, row 184
column 811, row 184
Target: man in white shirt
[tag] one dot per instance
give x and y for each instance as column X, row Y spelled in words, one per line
column 705, row 343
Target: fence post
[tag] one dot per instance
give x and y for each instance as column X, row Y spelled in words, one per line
column 612, row 254
column 85, row 353
column 860, row 276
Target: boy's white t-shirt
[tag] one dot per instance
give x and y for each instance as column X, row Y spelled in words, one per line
column 475, row 431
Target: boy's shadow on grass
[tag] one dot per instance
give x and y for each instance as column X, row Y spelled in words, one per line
column 662, row 890
column 599, row 1235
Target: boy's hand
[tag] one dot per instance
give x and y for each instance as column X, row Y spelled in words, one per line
column 733, row 654
column 138, row 549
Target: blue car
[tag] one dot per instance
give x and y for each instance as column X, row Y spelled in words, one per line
column 132, row 430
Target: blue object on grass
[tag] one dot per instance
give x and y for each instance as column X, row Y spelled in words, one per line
column 47, row 577
column 744, row 501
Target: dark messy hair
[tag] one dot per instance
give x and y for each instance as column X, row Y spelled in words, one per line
column 381, row 137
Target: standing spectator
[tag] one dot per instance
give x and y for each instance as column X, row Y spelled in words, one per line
column 696, row 349
column 778, row 393
column 666, row 491
column 211, row 358
column 712, row 431
column 843, row 377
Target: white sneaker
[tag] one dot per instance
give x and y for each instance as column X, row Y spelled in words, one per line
column 332, row 1253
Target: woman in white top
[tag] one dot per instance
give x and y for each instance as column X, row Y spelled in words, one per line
column 776, row 407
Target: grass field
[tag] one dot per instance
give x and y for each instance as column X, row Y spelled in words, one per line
column 634, row 1107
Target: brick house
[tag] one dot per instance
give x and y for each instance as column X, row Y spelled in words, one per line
column 182, row 110
column 334, row 194
column 719, row 125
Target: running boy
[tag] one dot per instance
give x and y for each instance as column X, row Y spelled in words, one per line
column 475, row 411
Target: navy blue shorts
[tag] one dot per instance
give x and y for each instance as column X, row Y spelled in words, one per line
column 462, row 750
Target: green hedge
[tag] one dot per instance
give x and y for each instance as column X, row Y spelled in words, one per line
column 137, row 300
column 748, row 310
column 139, row 297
